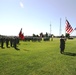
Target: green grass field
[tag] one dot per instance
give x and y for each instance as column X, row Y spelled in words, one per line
column 39, row 58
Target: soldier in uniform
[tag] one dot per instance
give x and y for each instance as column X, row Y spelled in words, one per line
column 62, row 44
column 2, row 42
column 7, row 42
column 11, row 41
column 14, row 43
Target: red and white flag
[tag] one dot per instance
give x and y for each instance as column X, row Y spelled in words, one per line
column 68, row 27
column 21, row 35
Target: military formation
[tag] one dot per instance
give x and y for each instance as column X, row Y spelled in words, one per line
column 13, row 41
column 9, row 41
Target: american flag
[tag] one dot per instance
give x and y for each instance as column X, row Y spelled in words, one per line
column 68, row 27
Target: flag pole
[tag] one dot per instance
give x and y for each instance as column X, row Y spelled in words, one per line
column 50, row 28
column 60, row 27
column 65, row 25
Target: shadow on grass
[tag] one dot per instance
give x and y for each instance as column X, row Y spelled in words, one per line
column 69, row 54
column 17, row 48
column 8, row 47
column 25, row 50
column 2, row 47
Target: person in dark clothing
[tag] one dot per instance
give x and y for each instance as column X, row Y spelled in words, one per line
column 7, row 42
column 17, row 40
column 62, row 44
column 11, row 42
column 14, row 42
column 2, row 42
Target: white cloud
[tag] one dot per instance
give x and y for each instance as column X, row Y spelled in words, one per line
column 21, row 4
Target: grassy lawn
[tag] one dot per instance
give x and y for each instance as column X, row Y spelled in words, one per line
column 39, row 58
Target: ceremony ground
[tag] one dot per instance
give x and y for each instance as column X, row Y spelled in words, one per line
column 39, row 58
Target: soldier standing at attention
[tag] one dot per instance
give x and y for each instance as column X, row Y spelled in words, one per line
column 2, row 42
column 11, row 41
column 62, row 44
column 15, row 42
column 7, row 42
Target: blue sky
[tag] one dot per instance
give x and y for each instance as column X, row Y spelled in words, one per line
column 35, row 16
